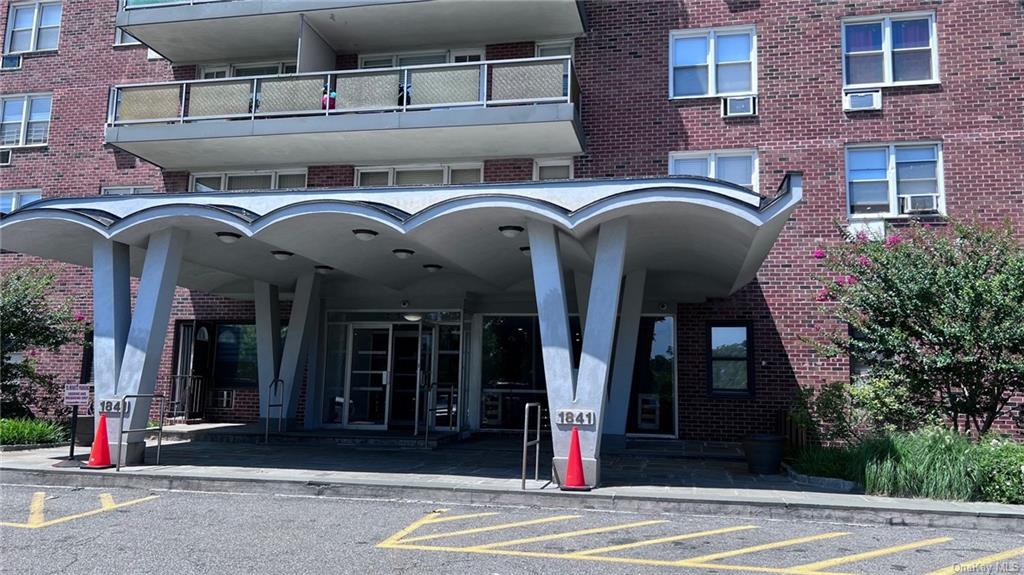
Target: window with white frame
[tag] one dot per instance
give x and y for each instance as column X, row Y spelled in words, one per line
column 24, row 120
column 261, row 180
column 13, row 199
column 126, row 190
column 419, row 175
column 552, row 169
column 736, row 166
column 890, row 50
column 894, row 179
column 122, row 38
column 32, row 27
column 717, row 62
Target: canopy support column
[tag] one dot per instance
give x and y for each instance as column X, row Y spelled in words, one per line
column 625, row 359
column 268, row 339
column 112, row 317
column 301, row 324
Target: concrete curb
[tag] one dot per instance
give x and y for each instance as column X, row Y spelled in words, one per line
column 830, row 483
column 870, row 514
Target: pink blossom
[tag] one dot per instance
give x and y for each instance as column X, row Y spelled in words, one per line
column 893, row 241
column 851, row 280
column 79, row 316
column 819, row 254
column 824, row 295
column 864, row 261
column 32, row 353
column 862, row 236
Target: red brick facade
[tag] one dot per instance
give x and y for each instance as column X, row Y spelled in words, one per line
column 631, row 126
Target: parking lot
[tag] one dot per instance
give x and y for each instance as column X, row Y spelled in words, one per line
column 50, row 529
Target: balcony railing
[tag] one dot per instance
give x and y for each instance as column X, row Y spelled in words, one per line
column 441, row 86
column 130, row 4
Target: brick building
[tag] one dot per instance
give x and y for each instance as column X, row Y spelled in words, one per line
column 701, row 149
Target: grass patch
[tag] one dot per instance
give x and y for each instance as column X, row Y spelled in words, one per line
column 30, row 432
column 932, row 463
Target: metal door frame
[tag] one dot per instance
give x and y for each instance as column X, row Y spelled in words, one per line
column 348, row 375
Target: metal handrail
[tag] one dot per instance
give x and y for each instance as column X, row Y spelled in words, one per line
column 535, row 443
column 484, row 98
column 274, row 385
column 121, row 431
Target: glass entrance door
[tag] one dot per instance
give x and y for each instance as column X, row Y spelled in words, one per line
column 368, row 377
column 410, row 365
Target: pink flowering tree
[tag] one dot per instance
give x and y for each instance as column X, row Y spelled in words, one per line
column 30, row 324
column 936, row 321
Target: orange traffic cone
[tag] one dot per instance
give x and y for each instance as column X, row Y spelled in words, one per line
column 574, row 468
column 99, row 455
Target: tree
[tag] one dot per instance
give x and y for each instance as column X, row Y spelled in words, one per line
column 29, row 324
column 935, row 314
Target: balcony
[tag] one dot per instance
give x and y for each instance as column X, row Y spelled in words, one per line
column 191, row 31
column 492, row 109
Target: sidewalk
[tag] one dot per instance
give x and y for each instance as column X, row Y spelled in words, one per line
column 489, row 473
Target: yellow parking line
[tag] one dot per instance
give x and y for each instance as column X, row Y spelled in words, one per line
column 488, row 528
column 35, row 518
column 446, row 518
column 600, row 558
column 682, row 537
column 974, row 566
column 106, row 501
column 817, row 565
column 566, row 534
column 35, row 509
column 756, row 548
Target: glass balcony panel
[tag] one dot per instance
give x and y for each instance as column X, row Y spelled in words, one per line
column 302, row 94
column 220, row 98
column 369, row 91
column 444, row 86
column 149, row 103
column 528, row 80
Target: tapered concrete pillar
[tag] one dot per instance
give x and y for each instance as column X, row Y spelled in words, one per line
column 625, row 359
column 585, row 397
column 301, row 324
column 112, row 318
column 149, row 330
column 268, row 339
column 581, row 282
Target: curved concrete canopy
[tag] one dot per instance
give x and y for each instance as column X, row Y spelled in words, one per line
column 709, row 236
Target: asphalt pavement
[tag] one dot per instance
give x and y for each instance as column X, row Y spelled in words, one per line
column 45, row 529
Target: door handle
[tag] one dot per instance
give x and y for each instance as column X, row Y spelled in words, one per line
column 384, row 380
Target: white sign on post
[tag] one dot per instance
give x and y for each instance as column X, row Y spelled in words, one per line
column 76, row 395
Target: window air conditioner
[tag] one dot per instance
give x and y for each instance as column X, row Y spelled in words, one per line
column 862, row 100
column 925, row 204
column 739, row 106
column 10, row 62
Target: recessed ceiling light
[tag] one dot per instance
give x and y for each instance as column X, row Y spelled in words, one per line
column 403, row 254
column 228, row 237
column 510, row 231
column 323, row 270
column 432, row 267
column 412, row 316
column 364, row 235
column 281, row 254
column 525, row 250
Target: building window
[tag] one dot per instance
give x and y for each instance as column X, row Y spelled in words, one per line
column 14, row 199
column 234, row 356
column 735, row 166
column 715, row 62
column 730, row 361
column 32, row 27
column 237, row 181
column 223, row 399
column 894, row 179
column 24, row 120
column 434, row 175
column 122, row 38
column 890, row 51
column 552, row 169
column 126, row 190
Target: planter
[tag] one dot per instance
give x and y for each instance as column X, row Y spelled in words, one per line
column 764, row 453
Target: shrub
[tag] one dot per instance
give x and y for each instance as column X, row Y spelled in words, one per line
column 30, row 431
column 1000, row 471
column 933, row 462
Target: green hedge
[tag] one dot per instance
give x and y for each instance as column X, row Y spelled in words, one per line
column 933, row 463
column 30, row 431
